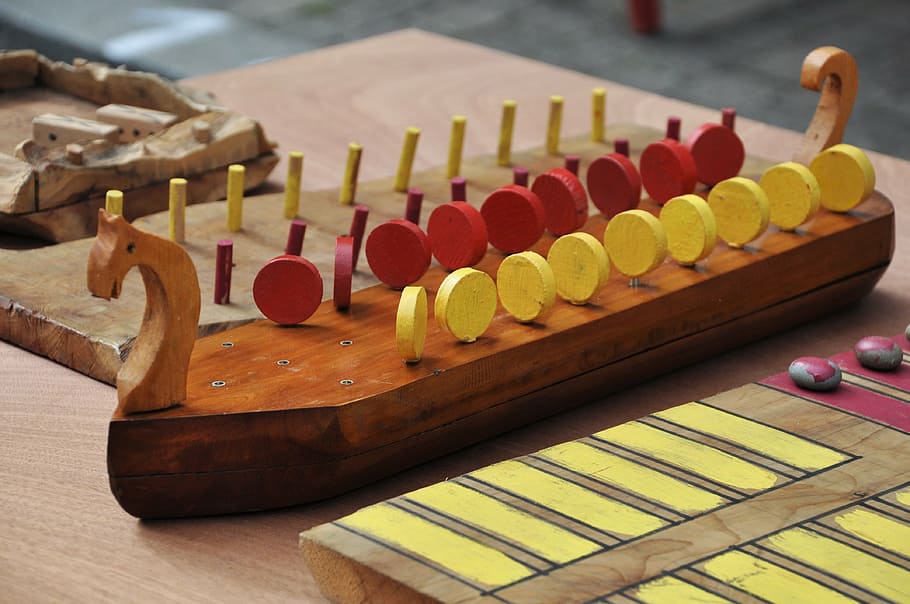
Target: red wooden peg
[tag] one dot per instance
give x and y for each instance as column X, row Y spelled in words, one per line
column 728, row 117
column 224, row 263
column 718, row 152
column 344, row 268
column 614, row 183
column 288, row 289
column 515, row 218
column 667, row 170
column 412, row 209
column 295, row 237
column 645, row 15
column 459, row 189
column 458, row 235
column 398, row 252
column 621, row 146
column 520, row 176
column 571, row 163
column 358, row 226
column 674, row 124
column 564, row 200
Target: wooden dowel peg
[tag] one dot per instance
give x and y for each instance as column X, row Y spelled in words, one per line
column 598, row 114
column 621, row 146
column 456, row 145
column 674, row 125
column 728, row 117
column 235, row 197
column 554, row 124
column 292, row 184
column 349, row 184
column 296, row 233
column 504, row 151
column 177, row 209
column 520, row 176
column 406, row 161
column 344, row 251
column 412, row 210
column 202, row 131
column 358, row 227
column 113, row 202
column 75, row 153
column 571, row 163
column 224, row 264
column 459, row 189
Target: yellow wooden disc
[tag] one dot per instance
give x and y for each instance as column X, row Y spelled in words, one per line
column 845, row 176
column 466, row 303
column 411, row 323
column 741, row 209
column 527, row 285
column 793, row 194
column 636, row 242
column 581, row 266
column 691, row 228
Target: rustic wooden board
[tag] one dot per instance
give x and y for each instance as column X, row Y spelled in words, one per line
column 762, row 493
column 55, row 315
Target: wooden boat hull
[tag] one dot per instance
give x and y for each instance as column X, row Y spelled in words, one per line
column 283, row 434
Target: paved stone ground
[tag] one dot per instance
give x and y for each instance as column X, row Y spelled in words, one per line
column 744, row 53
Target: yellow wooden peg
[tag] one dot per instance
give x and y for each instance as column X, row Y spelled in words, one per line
column 636, row 242
column 113, row 202
column 406, row 161
column 690, row 227
column 292, row 185
column 465, row 303
column 527, row 285
column 411, row 323
column 793, row 194
column 349, row 184
column 504, row 151
column 598, row 114
column 456, row 144
column 845, row 175
column 741, row 209
column 554, row 124
column 581, row 266
column 176, row 205
column 236, row 174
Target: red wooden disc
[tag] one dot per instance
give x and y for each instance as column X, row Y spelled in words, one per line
column 288, row 289
column 667, row 170
column 515, row 218
column 344, row 267
column 458, row 235
column 718, row 153
column 614, row 184
column 564, row 200
column 398, row 252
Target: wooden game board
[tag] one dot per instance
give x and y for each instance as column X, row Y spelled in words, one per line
column 763, row 493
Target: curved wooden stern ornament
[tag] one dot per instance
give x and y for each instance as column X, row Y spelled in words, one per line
column 154, row 375
column 836, row 70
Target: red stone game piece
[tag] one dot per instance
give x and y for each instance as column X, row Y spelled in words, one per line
column 718, row 151
column 398, row 252
column 358, row 226
column 288, row 289
column 520, row 176
column 415, row 201
column 564, row 200
column 667, row 170
column 515, row 218
column 458, row 235
column 571, row 163
column 459, row 189
column 295, row 237
column 614, row 183
column 344, row 254
column 224, row 263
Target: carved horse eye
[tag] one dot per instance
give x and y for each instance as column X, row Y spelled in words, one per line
column 130, row 247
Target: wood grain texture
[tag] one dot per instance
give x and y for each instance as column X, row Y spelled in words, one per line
column 53, row 430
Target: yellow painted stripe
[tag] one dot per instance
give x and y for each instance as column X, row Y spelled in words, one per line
column 774, row 443
column 841, row 560
column 769, row 581
column 633, row 477
column 882, row 531
column 670, row 590
column 569, row 499
column 460, row 555
column 550, row 541
column 903, row 497
column 696, row 457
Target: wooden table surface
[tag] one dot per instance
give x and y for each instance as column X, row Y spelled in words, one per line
column 62, row 534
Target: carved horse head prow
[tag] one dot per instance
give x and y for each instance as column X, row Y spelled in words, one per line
column 154, row 375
